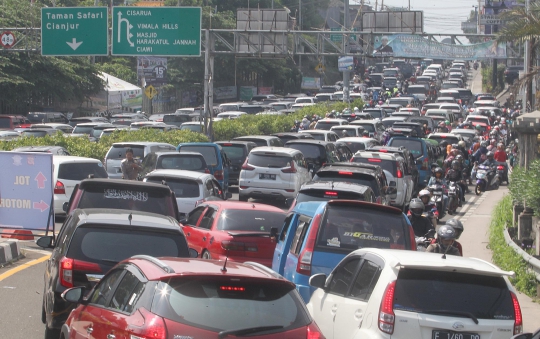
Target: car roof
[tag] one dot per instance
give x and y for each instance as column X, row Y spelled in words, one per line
column 351, row 167
column 120, row 218
column 139, row 143
column 331, row 120
column 184, row 174
column 308, row 141
column 451, row 135
column 36, row 148
column 282, row 150
column 240, row 205
column 60, row 159
column 262, row 137
column 356, row 139
column 382, row 155
column 126, row 184
column 434, row 261
column 317, row 131
column 335, row 186
column 237, row 142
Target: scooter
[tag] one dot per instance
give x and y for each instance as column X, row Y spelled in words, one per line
column 437, row 199
column 502, row 171
column 482, row 176
column 453, row 197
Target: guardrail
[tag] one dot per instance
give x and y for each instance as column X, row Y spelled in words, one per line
column 529, row 259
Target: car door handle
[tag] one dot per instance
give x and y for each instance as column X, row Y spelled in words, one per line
column 111, row 336
column 203, row 238
column 89, row 330
column 188, row 234
column 334, row 309
column 358, row 314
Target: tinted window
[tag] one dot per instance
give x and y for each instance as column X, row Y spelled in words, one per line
column 124, row 294
column 181, row 162
column 368, row 127
column 37, row 118
column 402, row 102
column 365, row 281
column 209, row 153
column 112, row 245
column 105, row 288
column 310, row 151
column 353, row 146
column 211, row 304
column 486, row 297
column 194, row 128
column 318, row 136
column 31, row 133
column 450, row 140
column 83, row 129
column 375, row 113
column 343, row 276
column 416, row 90
column 248, row 220
column 387, row 165
column 167, row 118
column 235, row 152
column 412, row 145
column 357, row 178
column 80, row 171
column 268, row 160
column 5, row 123
column 259, row 142
column 182, row 188
column 326, row 125
column 119, row 152
column 346, row 228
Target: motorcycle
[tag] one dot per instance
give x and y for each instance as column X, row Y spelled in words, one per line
column 453, row 197
column 438, row 195
column 423, row 242
column 502, row 171
column 482, row 177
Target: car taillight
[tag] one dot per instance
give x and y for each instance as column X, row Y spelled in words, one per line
column 59, row 188
column 374, row 160
column 198, row 202
column 346, row 172
column 500, row 168
column 291, row 169
column 424, row 164
column 153, row 328
column 313, row 332
column 386, row 312
column 399, row 173
column 218, row 175
column 518, row 318
column 207, row 171
column 246, row 167
column 68, row 265
column 304, row 260
column 232, row 245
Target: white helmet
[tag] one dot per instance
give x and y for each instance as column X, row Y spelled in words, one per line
column 424, row 193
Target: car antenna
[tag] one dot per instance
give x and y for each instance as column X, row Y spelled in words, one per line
column 130, row 216
column 224, row 268
column 446, row 250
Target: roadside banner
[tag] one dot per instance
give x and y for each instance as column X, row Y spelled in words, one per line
column 152, row 69
column 345, row 63
column 311, row 83
column 416, row 46
column 247, row 92
column 265, row 90
column 26, row 191
column 225, row 92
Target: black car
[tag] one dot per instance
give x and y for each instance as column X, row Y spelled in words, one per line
column 91, row 242
column 189, row 161
column 424, row 121
column 329, row 190
column 511, row 73
column 237, row 152
column 417, row 127
column 316, row 152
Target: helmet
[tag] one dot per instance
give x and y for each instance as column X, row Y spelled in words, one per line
column 365, row 133
column 447, row 122
column 455, row 164
column 306, row 117
column 490, row 155
column 454, row 146
column 439, row 171
column 433, row 165
column 416, row 206
column 441, row 124
column 356, row 109
column 517, row 141
column 478, row 127
column 446, row 232
column 492, row 114
column 496, row 128
column 492, row 142
column 461, row 144
column 423, row 193
column 457, row 225
column 459, row 157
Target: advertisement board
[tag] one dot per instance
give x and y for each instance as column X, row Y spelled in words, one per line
column 345, row 63
column 26, row 191
column 152, row 69
column 225, row 92
column 311, row 83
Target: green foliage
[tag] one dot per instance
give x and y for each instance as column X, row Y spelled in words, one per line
column 525, row 186
column 487, row 78
column 503, row 255
column 122, row 68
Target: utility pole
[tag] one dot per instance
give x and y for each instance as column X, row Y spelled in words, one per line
column 527, row 95
column 208, row 84
column 346, row 73
column 478, row 19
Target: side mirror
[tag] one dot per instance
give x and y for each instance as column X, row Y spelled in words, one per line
column 391, row 190
column 318, row 280
column 45, row 242
column 73, row 295
column 65, row 206
column 193, row 253
column 274, row 233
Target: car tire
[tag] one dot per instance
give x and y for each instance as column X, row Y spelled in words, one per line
column 51, row 333
column 206, row 255
column 242, row 198
column 43, row 315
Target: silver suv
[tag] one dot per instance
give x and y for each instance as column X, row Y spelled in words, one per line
column 117, row 153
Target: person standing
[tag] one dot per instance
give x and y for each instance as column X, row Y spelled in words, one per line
column 130, row 167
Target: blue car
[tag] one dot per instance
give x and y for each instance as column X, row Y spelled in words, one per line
column 316, row 236
column 215, row 158
column 419, row 149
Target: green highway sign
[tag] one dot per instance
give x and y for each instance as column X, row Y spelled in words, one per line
column 158, row 31
column 69, row 31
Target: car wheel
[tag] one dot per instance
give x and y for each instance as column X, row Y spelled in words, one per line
column 52, row 333
column 43, row 315
column 206, row 255
column 242, row 198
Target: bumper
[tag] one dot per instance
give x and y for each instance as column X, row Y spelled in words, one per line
column 266, row 193
column 399, row 200
column 59, row 200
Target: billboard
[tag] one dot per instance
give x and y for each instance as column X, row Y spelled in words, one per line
column 26, row 191
column 311, row 83
column 225, row 92
column 393, row 21
column 345, row 63
column 415, row 46
column 152, row 69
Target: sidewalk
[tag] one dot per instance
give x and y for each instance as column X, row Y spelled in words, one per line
column 475, row 240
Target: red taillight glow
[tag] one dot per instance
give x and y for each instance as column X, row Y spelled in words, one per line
column 500, row 168
column 291, row 169
column 399, row 173
column 345, row 172
column 227, row 144
column 383, row 150
column 218, row 175
column 386, row 312
column 232, row 288
column 313, row 332
column 443, row 136
column 59, row 188
column 246, row 167
column 153, row 328
column 424, row 164
column 304, row 260
column 518, row 318
column 334, row 194
column 374, row 160
column 68, row 265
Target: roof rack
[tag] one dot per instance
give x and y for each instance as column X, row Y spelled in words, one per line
column 155, row 261
column 265, row 269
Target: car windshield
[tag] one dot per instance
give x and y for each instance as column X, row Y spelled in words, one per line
column 310, row 151
column 348, row 228
column 485, row 297
column 182, row 188
column 448, row 139
column 387, row 165
column 234, row 152
column 368, row 127
column 345, row 176
column 218, row 303
column 119, row 152
column 250, row 220
column 94, row 243
column 209, row 153
column 79, row 171
column 414, row 146
column 326, row 125
column 269, row 160
column 353, row 145
column 181, row 162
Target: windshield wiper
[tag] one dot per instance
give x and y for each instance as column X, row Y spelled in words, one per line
column 246, row 331
column 467, row 314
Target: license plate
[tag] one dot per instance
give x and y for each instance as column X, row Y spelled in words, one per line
column 267, row 176
column 453, row 335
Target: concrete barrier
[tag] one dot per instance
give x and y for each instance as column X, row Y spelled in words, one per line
column 10, row 250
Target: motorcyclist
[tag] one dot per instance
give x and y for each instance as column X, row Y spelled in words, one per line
column 500, row 154
column 446, row 236
column 492, row 163
column 462, row 147
column 432, row 93
column 429, row 207
column 438, row 179
column 455, row 174
column 458, row 227
column 481, row 150
column 420, row 224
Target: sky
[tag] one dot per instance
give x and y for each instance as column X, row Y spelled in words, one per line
column 440, row 16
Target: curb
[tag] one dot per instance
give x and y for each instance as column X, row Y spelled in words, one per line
column 10, row 251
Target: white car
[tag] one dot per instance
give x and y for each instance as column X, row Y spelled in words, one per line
column 321, row 134
column 273, row 173
column 191, row 188
column 68, row 171
column 351, row 130
column 382, row 293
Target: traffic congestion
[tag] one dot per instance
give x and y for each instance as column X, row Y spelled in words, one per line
column 343, row 226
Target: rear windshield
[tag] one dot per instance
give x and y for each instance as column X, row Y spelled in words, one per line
column 414, row 146
column 119, row 152
column 439, row 139
column 37, row 118
column 248, row 220
column 34, row 133
column 389, row 123
column 217, row 304
column 416, row 90
column 208, row 152
column 269, row 160
column 181, row 162
column 125, row 198
column 259, row 142
column 353, row 146
column 83, row 129
column 310, row 151
column 368, row 127
column 452, row 294
column 176, row 118
column 347, row 228
column 357, row 178
column 5, row 122
column 235, row 152
column 387, row 165
column 402, row 102
column 80, row 171
column 325, row 195
column 326, row 125
column 318, row 136
column 194, row 128
column 182, row 188
column 374, row 113
column 111, row 245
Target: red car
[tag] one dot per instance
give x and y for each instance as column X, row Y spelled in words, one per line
column 167, row 298
column 239, row 231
